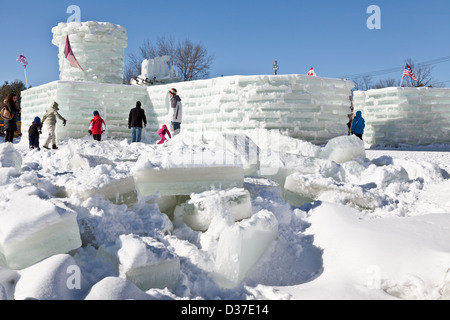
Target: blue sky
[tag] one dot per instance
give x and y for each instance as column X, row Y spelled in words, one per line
column 245, row 37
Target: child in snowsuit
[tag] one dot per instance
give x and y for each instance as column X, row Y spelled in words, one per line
column 49, row 120
column 97, row 126
column 162, row 133
column 33, row 134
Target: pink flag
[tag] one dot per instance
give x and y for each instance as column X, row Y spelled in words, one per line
column 311, row 72
column 23, row 60
column 70, row 56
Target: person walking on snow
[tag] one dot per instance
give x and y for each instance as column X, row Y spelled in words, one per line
column 97, row 126
column 162, row 133
column 137, row 120
column 358, row 125
column 177, row 111
column 49, row 120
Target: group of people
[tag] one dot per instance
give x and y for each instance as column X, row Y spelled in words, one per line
column 137, row 120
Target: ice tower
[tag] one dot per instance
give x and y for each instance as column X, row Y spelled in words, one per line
column 99, row 48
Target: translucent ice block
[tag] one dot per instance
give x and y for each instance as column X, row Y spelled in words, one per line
column 241, row 246
column 32, row 229
column 147, row 263
column 199, row 211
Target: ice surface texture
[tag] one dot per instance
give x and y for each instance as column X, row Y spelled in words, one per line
column 394, row 116
column 98, row 47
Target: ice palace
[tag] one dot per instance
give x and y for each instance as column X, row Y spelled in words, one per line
column 224, row 210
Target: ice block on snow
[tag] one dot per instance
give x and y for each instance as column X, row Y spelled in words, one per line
column 183, row 169
column 344, row 148
column 32, row 229
column 147, row 263
column 199, row 211
column 242, row 245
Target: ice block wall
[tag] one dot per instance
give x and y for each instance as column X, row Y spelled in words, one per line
column 416, row 116
column 77, row 102
column 99, row 48
column 311, row 108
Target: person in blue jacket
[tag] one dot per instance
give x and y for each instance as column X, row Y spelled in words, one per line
column 358, row 125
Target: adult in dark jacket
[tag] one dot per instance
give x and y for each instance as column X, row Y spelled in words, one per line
column 136, row 121
column 10, row 126
column 358, row 125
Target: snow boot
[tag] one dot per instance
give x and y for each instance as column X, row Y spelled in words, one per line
column 54, row 147
column 45, row 147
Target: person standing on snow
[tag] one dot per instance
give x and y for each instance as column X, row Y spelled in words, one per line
column 34, row 133
column 177, row 111
column 137, row 120
column 49, row 120
column 358, row 125
column 97, row 126
column 10, row 126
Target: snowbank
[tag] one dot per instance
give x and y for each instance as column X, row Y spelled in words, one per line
column 374, row 227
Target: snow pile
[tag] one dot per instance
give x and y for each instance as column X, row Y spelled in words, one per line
column 416, row 116
column 370, row 226
column 98, row 47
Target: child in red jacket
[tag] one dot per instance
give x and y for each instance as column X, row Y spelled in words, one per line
column 97, row 126
column 162, row 133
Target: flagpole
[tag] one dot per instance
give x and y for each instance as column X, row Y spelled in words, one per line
column 403, row 76
column 26, row 80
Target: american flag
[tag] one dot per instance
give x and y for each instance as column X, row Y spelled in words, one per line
column 408, row 72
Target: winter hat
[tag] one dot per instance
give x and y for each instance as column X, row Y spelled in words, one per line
column 96, row 113
column 173, row 91
column 37, row 120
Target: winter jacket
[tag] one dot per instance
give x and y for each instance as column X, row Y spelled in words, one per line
column 358, row 124
column 137, row 118
column 11, row 125
column 162, row 133
column 34, row 130
column 97, row 125
column 177, row 109
column 51, row 114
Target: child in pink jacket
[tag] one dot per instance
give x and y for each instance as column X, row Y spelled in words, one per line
column 162, row 133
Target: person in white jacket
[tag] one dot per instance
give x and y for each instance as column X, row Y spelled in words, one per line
column 49, row 120
column 176, row 111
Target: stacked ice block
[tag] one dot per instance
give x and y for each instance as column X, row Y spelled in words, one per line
column 312, row 108
column 405, row 115
column 99, row 48
column 77, row 102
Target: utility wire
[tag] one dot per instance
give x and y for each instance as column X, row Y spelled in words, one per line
column 392, row 70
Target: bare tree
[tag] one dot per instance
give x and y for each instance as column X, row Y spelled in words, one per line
column 363, row 83
column 385, row 83
column 191, row 61
column 423, row 73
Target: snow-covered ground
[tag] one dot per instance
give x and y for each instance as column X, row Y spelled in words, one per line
column 376, row 227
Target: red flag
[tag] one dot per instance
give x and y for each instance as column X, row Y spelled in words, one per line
column 70, row 56
column 311, row 72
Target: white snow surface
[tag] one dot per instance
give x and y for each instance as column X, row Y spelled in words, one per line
column 378, row 226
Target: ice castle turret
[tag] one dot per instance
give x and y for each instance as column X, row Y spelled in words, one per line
column 99, row 48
